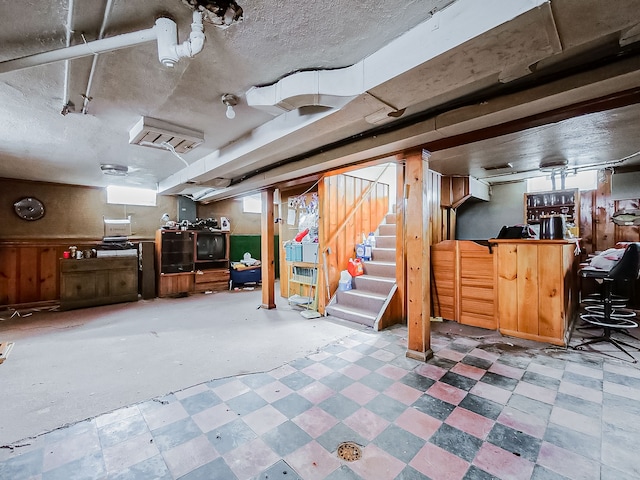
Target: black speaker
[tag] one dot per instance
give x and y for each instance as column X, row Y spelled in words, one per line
column 146, row 270
column 186, row 209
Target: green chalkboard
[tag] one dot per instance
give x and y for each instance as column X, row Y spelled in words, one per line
column 239, row 244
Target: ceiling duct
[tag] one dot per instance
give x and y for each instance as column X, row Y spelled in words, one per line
column 151, row 132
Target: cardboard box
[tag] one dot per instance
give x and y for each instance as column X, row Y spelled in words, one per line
column 363, row 251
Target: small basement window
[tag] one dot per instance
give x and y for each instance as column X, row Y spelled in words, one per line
column 252, row 203
column 583, row 180
column 120, row 195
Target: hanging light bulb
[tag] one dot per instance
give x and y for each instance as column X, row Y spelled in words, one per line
column 230, row 100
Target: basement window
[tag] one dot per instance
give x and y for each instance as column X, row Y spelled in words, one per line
column 120, row 195
column 583, row 180
column 252, row 204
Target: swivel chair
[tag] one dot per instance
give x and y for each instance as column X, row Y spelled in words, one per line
column 627, row 268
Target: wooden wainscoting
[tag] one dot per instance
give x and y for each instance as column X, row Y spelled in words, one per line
column 29, row 272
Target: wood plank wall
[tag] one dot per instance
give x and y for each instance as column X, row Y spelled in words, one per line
column 29, row 272
column 597, row 230
column 339, row 195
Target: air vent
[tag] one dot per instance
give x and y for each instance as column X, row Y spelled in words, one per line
column 113, row 169
column 150, row 132
column 553, row 164
column 502, row 166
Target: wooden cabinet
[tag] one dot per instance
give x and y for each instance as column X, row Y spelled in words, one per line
column 175, row 251
column 184, row 266
column 558, row 202
column 175, row 262
column 536, row 294
column 463, row 283
column 98, row 281
column 209, row 280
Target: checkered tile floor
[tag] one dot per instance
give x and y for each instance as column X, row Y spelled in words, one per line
column 479, row 409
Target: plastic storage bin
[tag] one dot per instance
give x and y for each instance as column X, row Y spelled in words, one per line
column 293, row 252
column 310, row 252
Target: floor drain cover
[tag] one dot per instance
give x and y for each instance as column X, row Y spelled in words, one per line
column 349, row 451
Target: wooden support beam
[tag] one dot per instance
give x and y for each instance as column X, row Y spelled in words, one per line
column 417, row 248
column 401, row 219
column 268, row 251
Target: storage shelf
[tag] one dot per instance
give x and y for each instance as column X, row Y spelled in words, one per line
column 303, row 284
column 556, row 201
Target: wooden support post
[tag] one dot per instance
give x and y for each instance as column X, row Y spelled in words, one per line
column 267, row 251
column 417, row 248
column 401, row 219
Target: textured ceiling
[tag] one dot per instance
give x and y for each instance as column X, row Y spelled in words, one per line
column 478, row 60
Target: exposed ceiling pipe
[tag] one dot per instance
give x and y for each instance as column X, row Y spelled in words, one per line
column 162, row 31
column 87, row 92
column 169, row 52
column 66, row 106
column 80, row 50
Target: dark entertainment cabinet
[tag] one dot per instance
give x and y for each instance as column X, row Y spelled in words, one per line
column 178, row 269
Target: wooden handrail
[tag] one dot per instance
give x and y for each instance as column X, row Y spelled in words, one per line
column 364, row 196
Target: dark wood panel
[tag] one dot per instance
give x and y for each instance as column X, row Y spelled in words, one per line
column 8, row 275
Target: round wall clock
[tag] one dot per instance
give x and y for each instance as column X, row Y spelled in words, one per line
column 29, row 208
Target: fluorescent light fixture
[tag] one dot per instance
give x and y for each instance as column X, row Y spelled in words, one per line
column 120, row 195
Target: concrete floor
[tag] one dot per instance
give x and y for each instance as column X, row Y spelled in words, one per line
column 69, row 366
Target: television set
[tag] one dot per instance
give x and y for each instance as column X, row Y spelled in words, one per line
column 211, row 246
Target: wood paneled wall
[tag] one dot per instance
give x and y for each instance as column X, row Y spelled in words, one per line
column 597, row 230
column 30, row 272
column 339, row 197
column 436, row 212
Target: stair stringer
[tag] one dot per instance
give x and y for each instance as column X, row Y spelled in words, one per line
column 384, row 318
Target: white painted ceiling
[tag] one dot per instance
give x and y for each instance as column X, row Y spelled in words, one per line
column 316, row 83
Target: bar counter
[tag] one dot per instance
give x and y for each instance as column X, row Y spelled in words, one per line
column 536, row 288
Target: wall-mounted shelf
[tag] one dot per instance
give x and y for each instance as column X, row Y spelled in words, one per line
column 557, row 202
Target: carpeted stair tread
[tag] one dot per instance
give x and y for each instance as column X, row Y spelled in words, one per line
column 351, row 314
column 364, row 293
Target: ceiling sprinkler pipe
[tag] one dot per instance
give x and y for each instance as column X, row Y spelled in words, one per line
column 194, row 45
column 167, row 33
column 169, row 52
column 81, row 50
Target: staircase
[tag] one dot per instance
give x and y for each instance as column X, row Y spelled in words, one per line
column 371, row 292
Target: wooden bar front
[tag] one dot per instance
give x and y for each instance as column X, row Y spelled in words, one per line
column 536, row 288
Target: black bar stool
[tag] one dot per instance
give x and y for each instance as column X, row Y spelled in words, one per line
column 627, row 268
